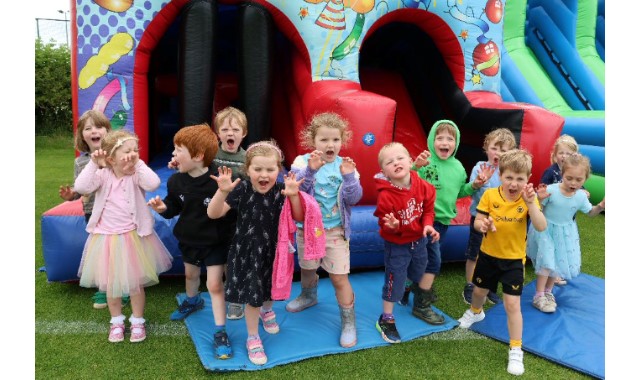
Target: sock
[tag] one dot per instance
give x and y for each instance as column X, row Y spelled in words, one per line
column 387, row 316
column 547, row 290
column 251, row 337
column 193, row 300
column 136, row 320
column 538, row 294
column 263, row 310
column 476, row 311
column 118, row 320
column 515, row 344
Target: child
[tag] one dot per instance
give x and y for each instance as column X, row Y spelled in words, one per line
column 123, row 254
column 201, row 240
column 259, row 200
column 405, row 212
column 449, row 178
column 496, row 143
column 334, row 183
column 564, row 146
column 503, row 214
column 92, row 126
column 555, row 251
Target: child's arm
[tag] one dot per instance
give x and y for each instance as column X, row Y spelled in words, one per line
column 538, row 220
column 157, row 205
column 542, row 192
column 351, row 191
column 484, row 223
column 307, row 170
column 482, row 176
column 422, row 160
column 391, row 222
column 89, row 180
column 147, row 179
column 218, row 206
column 291, row 191
column 597, row 209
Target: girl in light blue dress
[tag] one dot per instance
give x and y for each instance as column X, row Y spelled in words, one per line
column 555, row 252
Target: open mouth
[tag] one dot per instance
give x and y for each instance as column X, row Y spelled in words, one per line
column 263, row 183
column 96, row 139
column 230, row 143
column 495, row 161
column 398, row 169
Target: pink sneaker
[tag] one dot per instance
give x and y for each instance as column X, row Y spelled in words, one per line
column 269, row 322
column 138, row 333
column 116, row 332
column 256, row 351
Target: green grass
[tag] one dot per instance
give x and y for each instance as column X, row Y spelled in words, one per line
column 80, row 349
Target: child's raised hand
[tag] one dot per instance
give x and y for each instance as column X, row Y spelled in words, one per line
column 422, row 159
column 485, row 171
column 157, row 204
column 173, row 164
column 390, row 221
column 487, row 225
column 528, row 193
column 99, row 157
column 315, row 160
column 66, row 192
column 291, row 185
column 224, row 179
column 347, row 166
column 541, row 190
column 429, row 230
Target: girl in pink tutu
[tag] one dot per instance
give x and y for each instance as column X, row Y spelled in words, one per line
column 123, row 254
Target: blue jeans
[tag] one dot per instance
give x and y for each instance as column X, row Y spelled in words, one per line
column 433, row 249
column 402, row 261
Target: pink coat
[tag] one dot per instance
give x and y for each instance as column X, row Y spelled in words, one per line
column 314, row 244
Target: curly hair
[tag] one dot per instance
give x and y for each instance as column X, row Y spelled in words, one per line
column 329, row 120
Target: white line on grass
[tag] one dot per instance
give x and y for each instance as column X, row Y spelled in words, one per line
column 83, row 327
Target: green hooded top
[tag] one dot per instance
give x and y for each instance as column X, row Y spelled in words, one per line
column 448, row 177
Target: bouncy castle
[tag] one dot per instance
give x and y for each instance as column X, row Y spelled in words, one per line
column 391, row 68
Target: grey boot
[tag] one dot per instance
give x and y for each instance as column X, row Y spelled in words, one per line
column 422, row 306
column 348, row 318
column 307, row 298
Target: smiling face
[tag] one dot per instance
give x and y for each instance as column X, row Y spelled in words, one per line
column 396, row 165
column 329, row 141
column 263, row 172
column 494, row 151
column 513, row 183
column 573, row 178
column 93, row 134
column 231, row 135
column 444, row 144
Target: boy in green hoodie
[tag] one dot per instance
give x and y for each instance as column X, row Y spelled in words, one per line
column 441, row 169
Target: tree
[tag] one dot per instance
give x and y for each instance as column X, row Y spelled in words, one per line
column 53, row 110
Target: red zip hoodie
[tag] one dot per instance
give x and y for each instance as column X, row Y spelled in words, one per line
column 413, row 207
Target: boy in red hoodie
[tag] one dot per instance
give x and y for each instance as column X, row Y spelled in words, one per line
column 405, row 212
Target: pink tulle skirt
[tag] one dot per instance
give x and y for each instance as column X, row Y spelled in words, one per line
column 123, row 263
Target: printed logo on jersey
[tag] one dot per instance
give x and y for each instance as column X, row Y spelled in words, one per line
column 520, row 209
column 431, row 175
column 411, row 212
column 206, row 202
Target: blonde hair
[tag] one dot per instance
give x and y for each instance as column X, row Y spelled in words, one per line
column 264, row 148
column 577, row 160
column 389, row 146
column 567, row 141
column 198, row 139
column 329, row 120
column 99, row 120
column 230, row 113
column 503, row 137
column 114, row 140
column 516, row 160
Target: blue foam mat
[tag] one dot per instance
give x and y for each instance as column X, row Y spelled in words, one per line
column 310, row 333
column 573, row 336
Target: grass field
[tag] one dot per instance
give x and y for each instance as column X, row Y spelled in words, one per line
column 71, row 337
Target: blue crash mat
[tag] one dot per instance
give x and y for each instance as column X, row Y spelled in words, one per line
column 310, row 333
column 573, row 336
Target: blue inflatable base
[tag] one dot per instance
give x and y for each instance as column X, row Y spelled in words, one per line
column 310, row 333
column 573, row 336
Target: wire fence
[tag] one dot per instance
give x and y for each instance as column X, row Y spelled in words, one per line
column 53, row 30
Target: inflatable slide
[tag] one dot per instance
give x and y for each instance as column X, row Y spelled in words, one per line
column 390, row 68
column 552, row 59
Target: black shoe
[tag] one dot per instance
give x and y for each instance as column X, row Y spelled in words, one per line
column 388, row 330
column 221, row 345
column 185, row 309
column 493, row 298
column 405, row 297
column 467, row 293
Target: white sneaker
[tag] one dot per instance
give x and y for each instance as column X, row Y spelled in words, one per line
column 515, row 366
column 543, row 304
column 469, row 318
column 551, row 299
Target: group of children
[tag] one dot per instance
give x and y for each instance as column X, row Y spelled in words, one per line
column 231, row 205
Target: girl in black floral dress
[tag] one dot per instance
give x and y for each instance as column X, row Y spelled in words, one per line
column 258, row 201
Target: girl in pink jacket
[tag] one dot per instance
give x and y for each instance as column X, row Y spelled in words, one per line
column 123, row 254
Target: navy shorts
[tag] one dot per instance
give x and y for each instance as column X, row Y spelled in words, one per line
column 490, row 270
column 402, row 261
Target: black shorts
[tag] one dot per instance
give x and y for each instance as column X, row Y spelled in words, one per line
column 209, row 255
column 490, row 270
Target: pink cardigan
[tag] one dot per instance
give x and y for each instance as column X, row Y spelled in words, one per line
column 92, row 178
column 314, row 244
